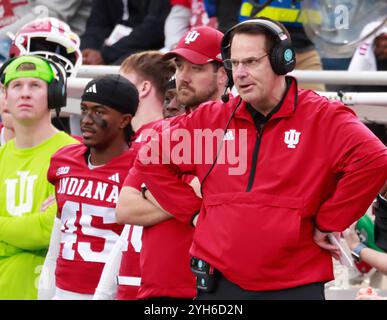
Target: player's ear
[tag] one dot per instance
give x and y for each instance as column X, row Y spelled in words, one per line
column 222, row 76
column 144, row 88
column 125, row 120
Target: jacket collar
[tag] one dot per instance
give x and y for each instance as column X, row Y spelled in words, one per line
column 287, row 108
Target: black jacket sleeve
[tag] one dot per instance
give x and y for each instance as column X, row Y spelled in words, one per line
column 380, row 207
column 147, row 34
column 103, row 17
column 227, row 12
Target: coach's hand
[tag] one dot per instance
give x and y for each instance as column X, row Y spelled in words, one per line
column 322, row 240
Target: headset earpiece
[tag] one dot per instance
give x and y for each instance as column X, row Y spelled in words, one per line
column 2, row 69
column 57, row 88
column 282, row 58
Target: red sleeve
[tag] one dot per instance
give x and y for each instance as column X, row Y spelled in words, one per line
column 185, row 3
column 360, row 161
column 51, row 172
column 133, row 179
column 162, row 174
column 79, row 138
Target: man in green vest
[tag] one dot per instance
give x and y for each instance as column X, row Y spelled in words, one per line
column 33, row 86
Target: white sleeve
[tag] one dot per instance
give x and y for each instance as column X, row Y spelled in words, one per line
column 176, row 24
column 107, row 286
column 364, row 56
column 46, row 289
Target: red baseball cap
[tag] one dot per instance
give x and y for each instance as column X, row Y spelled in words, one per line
column 199, row 45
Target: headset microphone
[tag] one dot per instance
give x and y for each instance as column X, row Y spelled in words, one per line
column 225, row 96
column 229, row 84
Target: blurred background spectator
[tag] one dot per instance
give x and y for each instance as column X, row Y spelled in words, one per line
column 371, row 54
column 117, row 28
column 74, row 12
column 288, row 12
column 16, row 13
column 340, row 28
column 184, row 15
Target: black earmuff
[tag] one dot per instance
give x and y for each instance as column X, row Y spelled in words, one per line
column 282, row 55
column 2, row 69
column 56, row 91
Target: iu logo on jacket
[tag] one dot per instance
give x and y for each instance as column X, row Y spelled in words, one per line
column 292, row 137
column 25, row 184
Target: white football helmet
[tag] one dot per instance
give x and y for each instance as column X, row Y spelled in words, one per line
column 52, row 39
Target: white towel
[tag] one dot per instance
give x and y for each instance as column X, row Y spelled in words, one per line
column 364, row 56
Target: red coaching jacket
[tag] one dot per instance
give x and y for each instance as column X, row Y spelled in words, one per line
column 314, row 164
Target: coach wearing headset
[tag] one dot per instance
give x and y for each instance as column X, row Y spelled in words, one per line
column 311, row 168
column 33, row 86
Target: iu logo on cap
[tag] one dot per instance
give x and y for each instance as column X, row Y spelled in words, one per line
column 191, row 36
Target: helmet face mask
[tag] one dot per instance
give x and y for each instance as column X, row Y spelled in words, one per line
column 51, row 39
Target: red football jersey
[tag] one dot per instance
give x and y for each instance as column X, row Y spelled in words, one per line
column 129, row 276
column 172, row 278
column 165, row 258
column 142, row 136
column 86, row 202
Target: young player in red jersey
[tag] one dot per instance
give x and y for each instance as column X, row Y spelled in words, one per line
column 150, row 73
column 87, row 181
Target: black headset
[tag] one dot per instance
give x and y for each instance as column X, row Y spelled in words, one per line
column 56, row 91
column 282, row 55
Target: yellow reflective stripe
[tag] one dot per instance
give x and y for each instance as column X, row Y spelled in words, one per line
column 311, row 16
column 246, row 9
column 279, row 14
column 283, row 14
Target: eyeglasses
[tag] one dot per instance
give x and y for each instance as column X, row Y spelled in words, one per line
column 249, row 63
